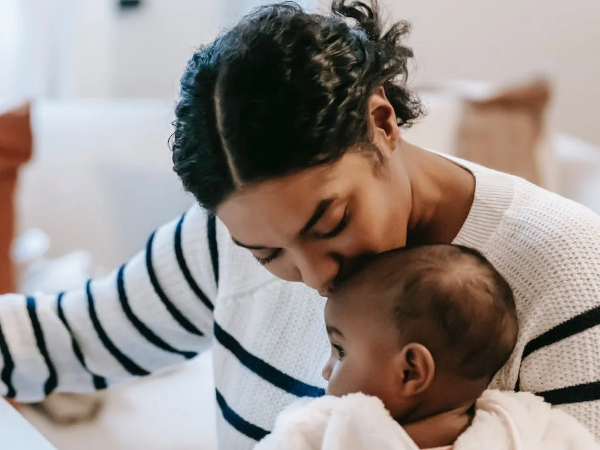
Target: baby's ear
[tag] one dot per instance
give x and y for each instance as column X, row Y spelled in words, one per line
column 416, row 370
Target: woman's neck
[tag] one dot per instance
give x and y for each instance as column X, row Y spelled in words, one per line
column 442, row 195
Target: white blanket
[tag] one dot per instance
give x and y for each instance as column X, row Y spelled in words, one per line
column 503, row 421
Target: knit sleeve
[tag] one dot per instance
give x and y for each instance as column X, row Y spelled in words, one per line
column 561, row 362
column 567, row 377
column 154, row 311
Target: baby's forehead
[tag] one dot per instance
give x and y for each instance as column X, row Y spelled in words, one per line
column 361, row 302
column 360, row 318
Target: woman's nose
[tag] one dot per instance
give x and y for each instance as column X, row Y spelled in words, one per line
column 319, row 271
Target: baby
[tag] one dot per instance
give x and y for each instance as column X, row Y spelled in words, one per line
column 424, row 330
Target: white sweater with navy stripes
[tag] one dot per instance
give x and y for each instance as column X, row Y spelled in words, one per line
column 192, row 287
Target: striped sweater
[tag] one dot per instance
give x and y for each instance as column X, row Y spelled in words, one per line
column 192, row 287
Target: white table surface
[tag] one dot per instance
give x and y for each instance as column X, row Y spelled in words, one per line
column 18, row 434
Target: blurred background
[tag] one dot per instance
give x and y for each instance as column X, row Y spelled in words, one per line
column 85, row 170
column 122, row 49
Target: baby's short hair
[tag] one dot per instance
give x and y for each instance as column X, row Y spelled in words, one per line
column 451, row 289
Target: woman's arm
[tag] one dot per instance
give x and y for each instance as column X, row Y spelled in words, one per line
column 562, row 363
column 566, row 373
column 152, row 312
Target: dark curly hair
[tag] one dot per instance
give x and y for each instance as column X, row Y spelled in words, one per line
column 284, row 91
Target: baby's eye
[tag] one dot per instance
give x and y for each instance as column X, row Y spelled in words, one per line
column 340, row 351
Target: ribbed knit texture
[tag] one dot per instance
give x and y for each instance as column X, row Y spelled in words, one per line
column 192, row 287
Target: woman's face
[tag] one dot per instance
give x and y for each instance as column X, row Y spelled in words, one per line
column 317, row 225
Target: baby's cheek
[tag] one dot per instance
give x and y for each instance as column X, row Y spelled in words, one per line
column 333, row 389
column 336, row 382
column 344, row 380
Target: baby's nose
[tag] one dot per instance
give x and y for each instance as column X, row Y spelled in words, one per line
column 327, row 371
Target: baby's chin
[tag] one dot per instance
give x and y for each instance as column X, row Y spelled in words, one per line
column 333, row 392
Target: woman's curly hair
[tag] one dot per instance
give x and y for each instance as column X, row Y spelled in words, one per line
column 284, row 91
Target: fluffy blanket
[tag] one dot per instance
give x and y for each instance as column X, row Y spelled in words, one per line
column 503, row 421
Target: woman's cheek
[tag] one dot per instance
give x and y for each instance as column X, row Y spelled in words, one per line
column 284, row 270
column 370, row 235
column 358, row 241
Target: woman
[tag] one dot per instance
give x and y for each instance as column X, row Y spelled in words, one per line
column 288, row 129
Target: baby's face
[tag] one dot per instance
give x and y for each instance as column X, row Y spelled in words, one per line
column 364, row 345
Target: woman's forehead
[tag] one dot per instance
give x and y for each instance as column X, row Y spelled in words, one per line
column 265, row 202
column 281, row 206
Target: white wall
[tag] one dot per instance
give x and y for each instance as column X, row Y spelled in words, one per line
column 56, row 48
column 490, row 40
column 155, row 40
column 10, row 24
column 83, row 63
column 496, row 40
column 142, row 53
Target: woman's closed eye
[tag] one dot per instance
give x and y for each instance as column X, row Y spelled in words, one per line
column 266, row 260
column 341, row 226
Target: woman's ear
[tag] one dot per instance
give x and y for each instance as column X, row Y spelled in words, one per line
column 383, row 124
column 416, row 370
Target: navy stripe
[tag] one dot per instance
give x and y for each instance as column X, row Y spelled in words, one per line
column 577, row 324
column 52, row 380
column 211, row 228
column 139, row 325
column 185, row 323
column 264, row 370
column 9, row 367
column 127, row 363
column 243, row 426
column 99, row 382
column 587, row 392
column 184, row 267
